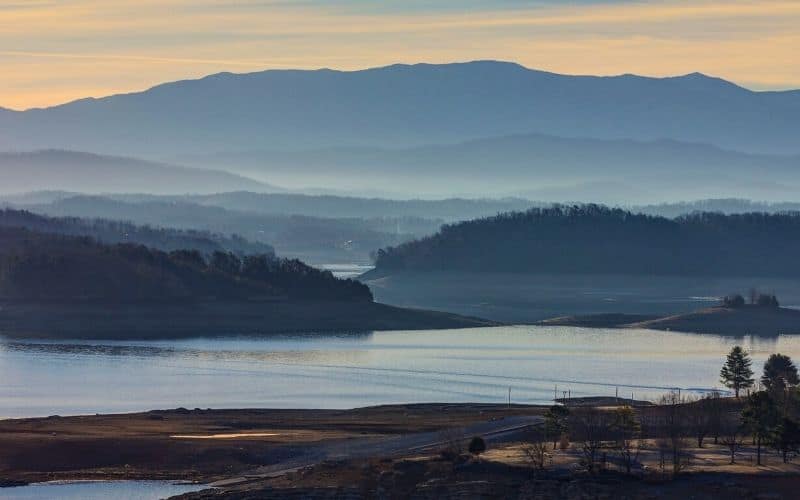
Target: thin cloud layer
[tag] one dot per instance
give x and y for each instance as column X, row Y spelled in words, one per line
column 53, row 52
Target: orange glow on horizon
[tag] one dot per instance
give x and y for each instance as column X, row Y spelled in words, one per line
column 52, row 54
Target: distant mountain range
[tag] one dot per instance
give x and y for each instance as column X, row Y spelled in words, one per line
column 724, row 206
column 91, row 173
column 534, row 166
column 115, row 231
column 408, row 215
column 406, row 106
column 316, row 239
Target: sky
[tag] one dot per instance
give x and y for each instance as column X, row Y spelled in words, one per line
column 54, row 51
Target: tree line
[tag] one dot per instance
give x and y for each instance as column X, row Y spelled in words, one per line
column 115, row 231
column 737, row 301
column 42, row 266
column 286, row 232
column 597, row 239
column 764, row 414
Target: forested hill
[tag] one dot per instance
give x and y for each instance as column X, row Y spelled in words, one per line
column 40, row 266
column 113, row 231
column 594, row 239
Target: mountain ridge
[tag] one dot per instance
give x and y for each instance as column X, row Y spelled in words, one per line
column 408, row 105
column 68, row 170
column 512, row 165
column 693, row 76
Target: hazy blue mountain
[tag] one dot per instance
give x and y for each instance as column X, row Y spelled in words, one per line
column 114, row 231
column 91, row 173
column 338, row 206
column 315, row 239
column 326, row 206
column 725, row 206
column 408, row 105
column 535, row 166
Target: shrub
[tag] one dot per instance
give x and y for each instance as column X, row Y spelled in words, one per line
column 477, row 446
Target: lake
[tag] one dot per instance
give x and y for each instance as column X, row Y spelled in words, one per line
column 99, row 490
column 40, row 378
column 347, row 270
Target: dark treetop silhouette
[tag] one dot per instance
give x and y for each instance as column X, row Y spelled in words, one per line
column 54, row 267
column 586, row 239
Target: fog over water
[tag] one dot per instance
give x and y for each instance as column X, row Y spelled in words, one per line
column 39, row 378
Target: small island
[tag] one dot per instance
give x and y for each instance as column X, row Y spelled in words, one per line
column 762, row 315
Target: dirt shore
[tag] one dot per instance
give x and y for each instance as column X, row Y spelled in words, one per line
column 747, row 320
column 213, row 445
column 207, row 445
column 505, row 471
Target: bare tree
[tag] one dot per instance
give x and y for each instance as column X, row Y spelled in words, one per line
column 536, row 454
column 673, row 407
column 786, row 438
column 714, row 408
column 697, row 419
column 453, row 443
column 592, row 426
column 732, row 436
column 626, row 427
column 761, row 416
column 555, row 422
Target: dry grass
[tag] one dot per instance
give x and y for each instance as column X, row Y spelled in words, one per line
column 710, row 458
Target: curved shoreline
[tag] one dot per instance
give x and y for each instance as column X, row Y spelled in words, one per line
column 746, row 320
column 147, row 321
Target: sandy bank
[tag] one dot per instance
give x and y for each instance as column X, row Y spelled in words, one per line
column 145, row 446
column 747, row 320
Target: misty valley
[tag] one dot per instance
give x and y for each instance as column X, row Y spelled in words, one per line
column 459, row 280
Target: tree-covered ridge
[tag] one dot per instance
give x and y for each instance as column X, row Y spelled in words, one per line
column 115, row 231
column 597, row 239
column 41, row 266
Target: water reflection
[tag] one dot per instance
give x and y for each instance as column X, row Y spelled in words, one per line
column 341, row 371
column 90, row 490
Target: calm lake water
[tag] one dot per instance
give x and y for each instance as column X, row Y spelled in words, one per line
column 39, row 378
column 346, row 270
column 99, row 490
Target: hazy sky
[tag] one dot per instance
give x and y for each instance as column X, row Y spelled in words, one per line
column 52, row 51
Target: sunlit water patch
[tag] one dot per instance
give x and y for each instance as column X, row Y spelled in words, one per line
column 39, row 378
column 98, row 490
column 347, row 270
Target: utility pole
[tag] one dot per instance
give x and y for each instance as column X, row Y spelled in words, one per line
column 509, row 396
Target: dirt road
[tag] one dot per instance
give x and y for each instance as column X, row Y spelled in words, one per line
column 501, row 429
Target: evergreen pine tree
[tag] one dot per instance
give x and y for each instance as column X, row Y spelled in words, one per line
column 780, row 373
column 736, row 373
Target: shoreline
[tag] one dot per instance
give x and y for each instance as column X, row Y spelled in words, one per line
column 717, row 320
column 175, row 320
column 138, row 447
column 143, row 446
